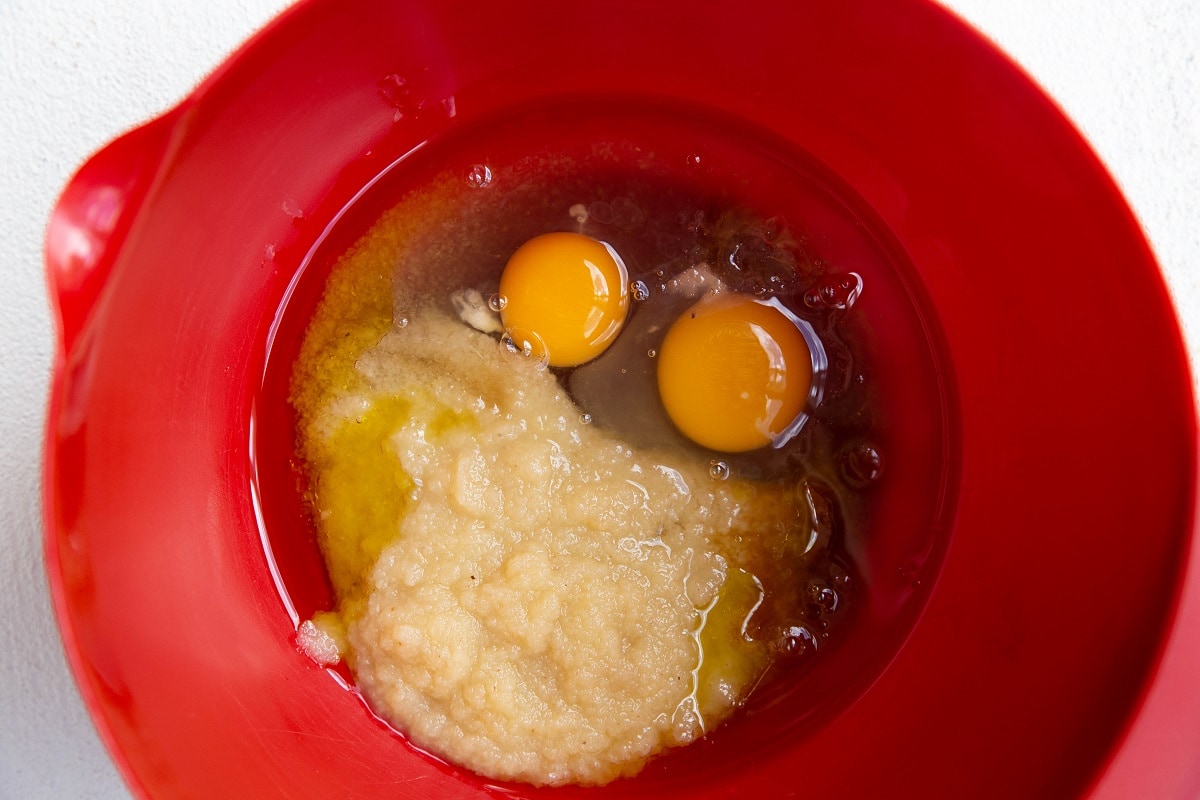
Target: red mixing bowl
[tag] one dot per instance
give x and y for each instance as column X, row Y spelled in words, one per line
column 1055, row 651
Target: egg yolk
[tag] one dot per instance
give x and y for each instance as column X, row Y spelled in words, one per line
column 734, row 373
column 565, row 297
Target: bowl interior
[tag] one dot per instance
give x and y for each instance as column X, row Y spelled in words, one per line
column 1069, row 470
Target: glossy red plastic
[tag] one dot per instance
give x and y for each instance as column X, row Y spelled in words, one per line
column 1059, row 653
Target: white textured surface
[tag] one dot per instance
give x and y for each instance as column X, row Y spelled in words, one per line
column 75, row 73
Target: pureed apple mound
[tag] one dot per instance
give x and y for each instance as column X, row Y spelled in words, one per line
column 616, row 436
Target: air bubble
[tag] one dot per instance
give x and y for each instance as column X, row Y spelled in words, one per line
column 497, row 302
column 718, row 470
column 693, row 160
column 626, row 213
column 525, row 343
column 479, row 176
column 639, row 290
column 835, row 291
column 822, row 596
column 402, row 322
column 600, row 212
column 796, row 641
column 585, row 418
column 861, row 464
column 651, row 352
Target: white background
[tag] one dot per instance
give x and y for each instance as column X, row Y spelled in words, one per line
column 76, row 73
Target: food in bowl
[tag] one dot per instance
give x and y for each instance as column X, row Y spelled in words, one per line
column 293, row 125
column 572, row 523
